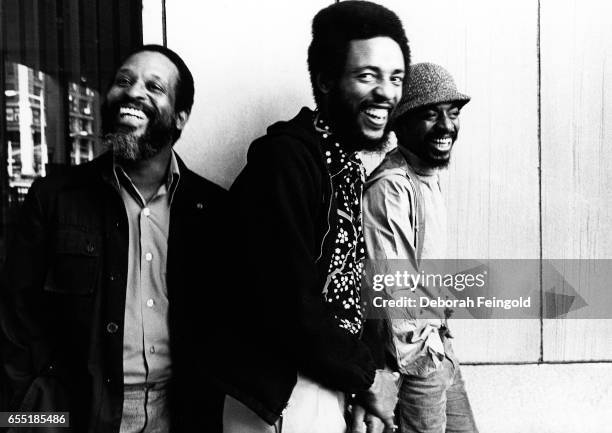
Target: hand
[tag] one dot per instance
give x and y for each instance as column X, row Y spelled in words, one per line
column 365, row 422
column 358, row 419
column 381, row 398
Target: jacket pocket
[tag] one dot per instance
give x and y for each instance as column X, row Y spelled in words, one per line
column 75, row 262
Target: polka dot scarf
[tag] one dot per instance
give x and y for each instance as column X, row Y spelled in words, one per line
column 343, row 284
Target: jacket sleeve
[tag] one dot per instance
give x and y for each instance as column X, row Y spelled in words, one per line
column 282, row 190
column 21, row 306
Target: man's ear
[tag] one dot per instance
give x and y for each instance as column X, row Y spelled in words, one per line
column 324, row 84
column 181, row 119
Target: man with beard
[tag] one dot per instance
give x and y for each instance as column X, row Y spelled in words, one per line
column 293, row 350
column 405, row 218
column 100, row 280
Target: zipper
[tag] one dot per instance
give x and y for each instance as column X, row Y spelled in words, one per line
column 331, row 194
column 363, row 309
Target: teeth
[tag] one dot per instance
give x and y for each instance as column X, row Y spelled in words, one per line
column 377, row 113
column 443, row 143
column 128, row 111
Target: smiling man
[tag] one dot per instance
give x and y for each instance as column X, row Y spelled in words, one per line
column 294, row 350
column 97, row 290
column 405, row 218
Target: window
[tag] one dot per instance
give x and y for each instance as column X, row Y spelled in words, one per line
column 54, row 59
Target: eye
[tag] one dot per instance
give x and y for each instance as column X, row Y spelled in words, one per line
column 122, row 81
column 397, row 80
column 154, row 86
column 366, row 77
column 453, row 113
column 430, row 115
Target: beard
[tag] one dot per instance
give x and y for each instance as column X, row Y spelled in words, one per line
column 433, row 157
column 344, row 123
column 126, row 146
column 421, row 144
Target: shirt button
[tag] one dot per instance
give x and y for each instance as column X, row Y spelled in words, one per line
column 146, row 211
column 152, row 349
column 150, row 303
column 112, row 327
column 148, row 257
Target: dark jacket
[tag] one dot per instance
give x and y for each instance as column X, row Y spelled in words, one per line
column 63, row 294
column 284, row 229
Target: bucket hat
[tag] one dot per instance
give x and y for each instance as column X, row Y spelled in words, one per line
column 429, row 84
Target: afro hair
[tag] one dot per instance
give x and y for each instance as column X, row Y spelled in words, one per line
column 335, row 26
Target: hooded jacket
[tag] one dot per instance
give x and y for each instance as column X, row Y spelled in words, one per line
column 283, row 231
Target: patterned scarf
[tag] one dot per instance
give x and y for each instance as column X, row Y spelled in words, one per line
column 342, row 287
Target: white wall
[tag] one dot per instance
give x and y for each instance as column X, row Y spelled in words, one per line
column 478, row 41
column 570, row 398
column 249, row 63
column 517, row 187
column 577, row 161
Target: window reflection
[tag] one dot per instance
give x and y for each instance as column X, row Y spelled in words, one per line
column 84, row 123
column 25, row 128
column 32, row 127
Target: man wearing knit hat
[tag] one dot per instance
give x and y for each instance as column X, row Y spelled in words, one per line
column 405, row 218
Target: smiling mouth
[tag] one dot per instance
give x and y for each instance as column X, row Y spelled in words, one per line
column 377, row 116
column 443, row 144
column 131, row 112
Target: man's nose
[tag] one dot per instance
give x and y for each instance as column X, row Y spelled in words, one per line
column 137, row 90
column 445, row 123
column 386, row 90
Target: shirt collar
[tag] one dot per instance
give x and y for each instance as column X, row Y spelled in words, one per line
column 174, row 175
column 172, row 178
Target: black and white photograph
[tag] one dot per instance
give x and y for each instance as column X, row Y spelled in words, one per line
column 341, row 216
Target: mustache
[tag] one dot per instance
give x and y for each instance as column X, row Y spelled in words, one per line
column 441, row 134
column 110, row 111
column 149, row 111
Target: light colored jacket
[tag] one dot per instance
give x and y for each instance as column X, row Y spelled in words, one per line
column 394, row 228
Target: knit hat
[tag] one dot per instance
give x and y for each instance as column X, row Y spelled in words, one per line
column 429, row 84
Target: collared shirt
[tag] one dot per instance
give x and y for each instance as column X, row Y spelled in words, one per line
column 146, row 342
column 428, row 181
column 389, row 232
